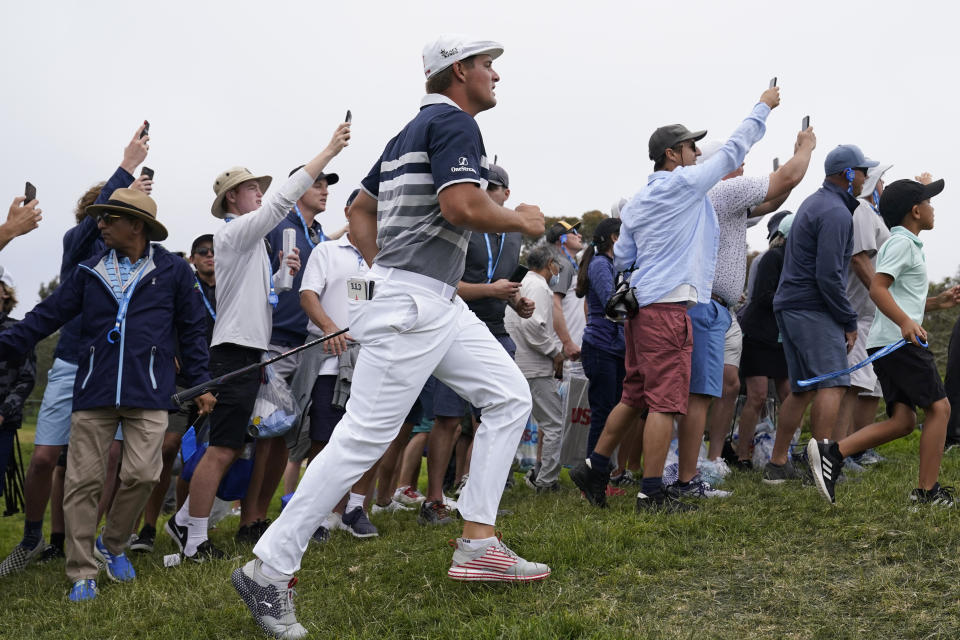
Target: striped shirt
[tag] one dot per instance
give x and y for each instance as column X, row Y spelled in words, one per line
column 440, row 147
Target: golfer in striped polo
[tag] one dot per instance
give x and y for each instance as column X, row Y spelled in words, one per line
column 412, row 221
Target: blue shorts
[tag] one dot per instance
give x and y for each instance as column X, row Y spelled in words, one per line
column 53, row 421
column 710, row 321
column 813, row 344
column 448, row 404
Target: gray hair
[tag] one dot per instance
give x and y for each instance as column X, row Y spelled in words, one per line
column 541, row 256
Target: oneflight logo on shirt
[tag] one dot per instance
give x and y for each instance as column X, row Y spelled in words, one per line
column 463, row 162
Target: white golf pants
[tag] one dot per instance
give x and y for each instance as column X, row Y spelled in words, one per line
column 408, row 332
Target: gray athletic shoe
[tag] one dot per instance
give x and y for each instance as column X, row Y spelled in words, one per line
column 20, row 557
column 358, row 524
column 774, row 474
column 270, row 602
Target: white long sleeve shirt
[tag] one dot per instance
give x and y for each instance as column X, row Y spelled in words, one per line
column 244, row 313
column 537, row 342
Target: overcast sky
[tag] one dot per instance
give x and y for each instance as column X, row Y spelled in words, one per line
column 582, row 86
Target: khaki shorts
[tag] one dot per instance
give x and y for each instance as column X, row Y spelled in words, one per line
column 733, row 342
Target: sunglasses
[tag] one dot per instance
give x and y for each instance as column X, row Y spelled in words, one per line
column 314, row 238
column 203, row 252
column 110, row 218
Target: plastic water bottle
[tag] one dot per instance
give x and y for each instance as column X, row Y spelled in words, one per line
column 284, row 279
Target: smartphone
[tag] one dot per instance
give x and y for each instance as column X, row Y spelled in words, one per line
column 147, row 171
column 773, row 82
column 518, row 273
column 776, row 164
column 146, row 129
column 805, row 124
column 349, row 117
column 30, row 193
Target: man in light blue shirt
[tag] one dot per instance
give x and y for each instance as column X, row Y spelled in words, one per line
column 669, row 238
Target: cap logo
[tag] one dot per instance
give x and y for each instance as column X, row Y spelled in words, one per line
column 451, row 52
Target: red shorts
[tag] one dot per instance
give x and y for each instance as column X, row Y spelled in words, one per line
column 659, row 341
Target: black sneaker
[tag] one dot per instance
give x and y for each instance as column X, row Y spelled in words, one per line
column 728, row 453
column 779, row 473
column 625, row 479
column 826, row 463
column 664, row 501
column 52, row 552
column 177, row 533
column 206, row 551
column 938, row 496
column 434, row 513
column 321, row 535
column 250, row 533
column 143, row 541
column 530, row 478
column 742, row 465
column 592, row 483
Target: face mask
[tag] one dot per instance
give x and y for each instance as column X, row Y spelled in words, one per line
column 554, row 280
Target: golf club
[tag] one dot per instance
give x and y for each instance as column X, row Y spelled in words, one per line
column 189, row 394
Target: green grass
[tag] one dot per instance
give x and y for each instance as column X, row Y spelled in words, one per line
column 766, row 563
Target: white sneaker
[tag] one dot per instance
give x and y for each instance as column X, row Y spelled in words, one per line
column 409, row 496
column 269, row 601
column 393, row 507
column 494, row 563
column 333, row 521
column 450, row 503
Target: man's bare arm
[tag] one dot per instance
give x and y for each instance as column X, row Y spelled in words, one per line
column 863, row 267
column 363, row 225
column 467, row 206
column 784, row 179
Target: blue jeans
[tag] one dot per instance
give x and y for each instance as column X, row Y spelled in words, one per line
column 605, row 372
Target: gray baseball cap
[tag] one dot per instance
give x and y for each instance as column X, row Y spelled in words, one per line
column 497, row 175
column 670, row 136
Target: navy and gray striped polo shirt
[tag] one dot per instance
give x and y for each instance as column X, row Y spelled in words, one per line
column 440, row 147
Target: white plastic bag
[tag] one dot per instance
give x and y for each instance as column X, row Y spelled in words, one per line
column 275, row 410
column 576, row 419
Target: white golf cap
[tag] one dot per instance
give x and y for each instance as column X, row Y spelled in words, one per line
column 452, row 47
column 707, row 149
column 6, row 278
column 873, row 177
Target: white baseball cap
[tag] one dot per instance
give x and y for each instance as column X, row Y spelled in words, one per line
column 453, row 47
column 6, row 278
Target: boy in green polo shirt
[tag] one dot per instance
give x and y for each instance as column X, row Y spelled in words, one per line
column 909, row 375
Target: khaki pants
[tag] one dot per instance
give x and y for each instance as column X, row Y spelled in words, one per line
column 91, row 433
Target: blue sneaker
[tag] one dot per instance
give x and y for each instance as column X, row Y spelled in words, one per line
column 83, row 590
column 118, row 566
